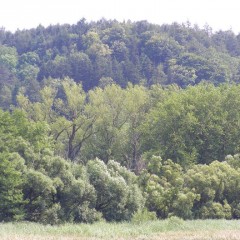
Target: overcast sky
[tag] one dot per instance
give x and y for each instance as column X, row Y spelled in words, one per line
column 25, row 14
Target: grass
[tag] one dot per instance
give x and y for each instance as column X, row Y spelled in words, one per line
column 172, row 229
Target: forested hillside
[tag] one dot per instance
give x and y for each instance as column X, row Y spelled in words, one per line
column 96, row 53
column 110, row 120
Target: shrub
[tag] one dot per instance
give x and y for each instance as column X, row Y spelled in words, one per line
column 142, row 216
column 215, row 210
column 175, row 222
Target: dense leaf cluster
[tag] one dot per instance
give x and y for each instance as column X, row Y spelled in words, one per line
column 202, row 191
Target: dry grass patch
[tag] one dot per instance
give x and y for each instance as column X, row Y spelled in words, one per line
column 203, row 235
column 172, row 229
column 220, row 235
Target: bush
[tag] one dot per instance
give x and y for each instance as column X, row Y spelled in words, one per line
column 215, row 210
column 86, row 214
column 51, row 215
column 174, row 222
column 118, row 195
column 142, row 216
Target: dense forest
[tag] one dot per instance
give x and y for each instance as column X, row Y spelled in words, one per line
column 107, row 119
column 98, row 53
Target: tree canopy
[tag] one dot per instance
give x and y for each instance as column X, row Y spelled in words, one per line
column 109, row 120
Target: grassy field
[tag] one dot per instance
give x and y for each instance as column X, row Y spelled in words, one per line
column 173, row 229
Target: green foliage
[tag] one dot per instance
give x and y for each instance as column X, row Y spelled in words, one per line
column 67, row 84
column 8, row 80
column 215, row 210
column 38, row 190
column 167, row 194
column 11, row 195
column 203, row 191
column 195, row 125
column 175, row 222
column 8, row 57
column 126, row 52
column 38, row 186
column 143, row 216
column 181, row 75
column 51, row 215
column 118, row 196
column 162, row 48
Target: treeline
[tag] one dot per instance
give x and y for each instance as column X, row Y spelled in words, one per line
column 96, row 53
column 108, row 153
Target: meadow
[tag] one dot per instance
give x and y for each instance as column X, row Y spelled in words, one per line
column 171, row 229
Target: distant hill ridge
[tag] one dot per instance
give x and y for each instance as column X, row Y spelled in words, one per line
column 96, row 53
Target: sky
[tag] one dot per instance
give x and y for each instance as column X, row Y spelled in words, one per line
column 26, row 14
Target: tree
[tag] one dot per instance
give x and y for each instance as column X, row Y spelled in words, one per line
column 77, row 121
column 11, row 180
column 194, row 125
column 137, row 106
column 70, row 117
column 8, row 63
column 217, row 184
column 162, row 48
column 109, row 138
column 182, row 76
column 81, row 69
column 167, row 194
column 118, row 196
column 94, row 46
